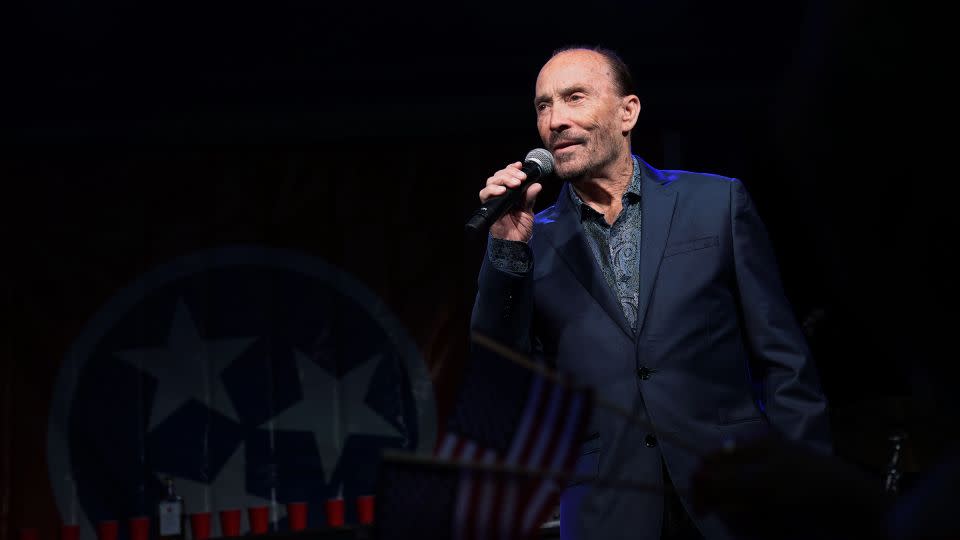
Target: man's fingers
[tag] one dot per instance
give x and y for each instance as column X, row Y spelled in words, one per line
column 531, row 194
column 512, row 171
column 491, row 191
column 512, row 174
column 510, row 177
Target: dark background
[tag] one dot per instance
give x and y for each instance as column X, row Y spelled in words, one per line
column 362, row 133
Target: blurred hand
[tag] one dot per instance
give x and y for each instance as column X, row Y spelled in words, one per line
column 518, row 223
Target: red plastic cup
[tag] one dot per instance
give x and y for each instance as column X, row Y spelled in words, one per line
column 69, row 532
column 108, row 529
column 200, row 525
column 29, row 533
column 140, row 528
column 335, row 512
column 230, row 522
column 365, row 509
column 297, row 515
column 259, row 519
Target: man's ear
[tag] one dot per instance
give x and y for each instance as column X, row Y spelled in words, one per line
column 630, row 111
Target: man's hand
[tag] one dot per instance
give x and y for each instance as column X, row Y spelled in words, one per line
column 518, row 223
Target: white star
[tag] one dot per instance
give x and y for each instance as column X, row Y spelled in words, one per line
column 332, row 409
column 227, row 491
column 188, row 367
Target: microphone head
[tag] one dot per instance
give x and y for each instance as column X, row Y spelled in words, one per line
column 543, row 159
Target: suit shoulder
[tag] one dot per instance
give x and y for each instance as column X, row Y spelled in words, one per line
column 696, row 181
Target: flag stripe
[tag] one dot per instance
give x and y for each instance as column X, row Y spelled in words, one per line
column 553, row 411
column 463, row 490
column 527, row 423
column 522, row 443
column 449, row 444
column 536, row 509
column 486, row 499
column 513, row 518
column 537, row 460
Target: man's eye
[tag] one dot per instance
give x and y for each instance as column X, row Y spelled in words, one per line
column 576, row 97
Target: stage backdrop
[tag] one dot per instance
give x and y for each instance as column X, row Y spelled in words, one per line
column 234, row 240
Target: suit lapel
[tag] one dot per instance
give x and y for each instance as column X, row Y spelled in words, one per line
column 568, row 239
column 658, row 202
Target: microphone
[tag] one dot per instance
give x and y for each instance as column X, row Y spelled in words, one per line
column 538, row 164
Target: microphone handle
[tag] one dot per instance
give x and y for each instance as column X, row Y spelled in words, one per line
column 495, row 207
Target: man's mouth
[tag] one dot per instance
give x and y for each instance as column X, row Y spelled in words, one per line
column 564, row 144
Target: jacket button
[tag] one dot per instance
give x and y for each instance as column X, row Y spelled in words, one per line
column 650, row 441
column 644, row 373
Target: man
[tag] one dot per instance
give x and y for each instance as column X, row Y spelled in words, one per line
column 659, row 289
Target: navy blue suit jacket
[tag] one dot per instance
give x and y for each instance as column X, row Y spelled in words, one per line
column 713, row 326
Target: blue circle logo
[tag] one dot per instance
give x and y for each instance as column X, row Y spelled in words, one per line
column 251, row 376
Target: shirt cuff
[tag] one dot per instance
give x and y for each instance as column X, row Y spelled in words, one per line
column 509, row 255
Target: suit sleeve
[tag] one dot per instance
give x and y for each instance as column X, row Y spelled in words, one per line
column 794, row 400
column 503, row 309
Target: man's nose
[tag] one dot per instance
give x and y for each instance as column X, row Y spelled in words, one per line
column 559, row 120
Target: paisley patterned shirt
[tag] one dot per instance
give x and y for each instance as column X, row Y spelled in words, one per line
column 616, row 248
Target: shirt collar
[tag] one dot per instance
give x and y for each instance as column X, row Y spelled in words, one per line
column 632, row 193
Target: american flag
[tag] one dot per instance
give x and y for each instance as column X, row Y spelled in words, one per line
column 496, row 506
column 537, row 433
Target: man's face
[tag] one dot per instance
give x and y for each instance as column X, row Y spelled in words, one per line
column 579, row 113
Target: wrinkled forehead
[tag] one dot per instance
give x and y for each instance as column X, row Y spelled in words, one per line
column 574, row 68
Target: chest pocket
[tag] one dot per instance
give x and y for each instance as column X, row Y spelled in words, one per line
column 677, row 248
